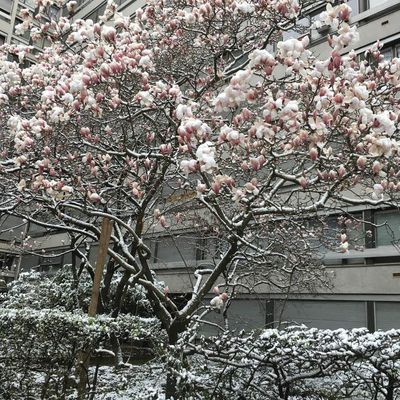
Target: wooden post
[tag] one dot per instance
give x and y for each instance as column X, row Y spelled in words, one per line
column 84, row 358
column 106, row 228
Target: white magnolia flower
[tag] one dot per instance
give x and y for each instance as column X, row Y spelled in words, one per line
column 183, row 111
column 245, row 7
column 219, row 301
column 205, row 155
column 382, row 147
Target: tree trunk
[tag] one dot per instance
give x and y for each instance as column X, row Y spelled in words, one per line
column 119, row 292
column 390, row 389
column 105, row 290
column 178, row 325
column 170, row 387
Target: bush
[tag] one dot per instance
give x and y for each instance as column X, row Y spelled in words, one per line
column 45, row 331
column 40, row 291
column 296, row 363
column 39, row 348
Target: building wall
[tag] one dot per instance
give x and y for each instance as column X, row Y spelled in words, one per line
column 94, row 8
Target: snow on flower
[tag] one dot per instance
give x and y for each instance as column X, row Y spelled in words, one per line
column 347, row 35
column 108, row 33
column 344, row 247
column 241, row 77
column 245, row 7
column 145, row 98
column 67, row 98
column 235, row 93
column 333, row 15
column 288, row 8
column 322, row 66
column 261, row 57
column 48, row 95
column 229, row 98
column 71, row 5
column 205, row 154
column 361, row 91
column 76, row 84
column 382, row 147
column 291, row 107
column 20, row 29
column 182, row 111
column 384, row 124
column 292, row 47
column 219, row 301
column 231, row 135
column 145, row 62
column 366, row 115
column 188, row 166
column 57, row 114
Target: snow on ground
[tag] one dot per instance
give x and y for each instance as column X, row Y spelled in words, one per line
column 130, row 383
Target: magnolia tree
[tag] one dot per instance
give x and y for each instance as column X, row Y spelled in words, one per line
column 188, row 100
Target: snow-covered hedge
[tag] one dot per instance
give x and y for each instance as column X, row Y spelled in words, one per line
column 37, row 290
column 39, row 349
column 297, row 363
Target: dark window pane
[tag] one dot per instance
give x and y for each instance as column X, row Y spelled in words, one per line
column 390, row 231
column 177, row 249
column 387, row 54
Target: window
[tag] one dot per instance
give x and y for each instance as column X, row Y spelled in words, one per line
column 181, row 248
column 322, row 314
column 390, row 229
column 80, row 2
column 94, row 16
column 335, row 226
column 7, row 261
column 387, row 315
column 302, row 27
column 28, row 3
column 389, row 51
column 26, row 36
column 367, row 4
column 6, row 6
column 354, row 5
column 54, row 13
column 54, row 260
column 25, row 64
column 41, row 43
column 13, row 58
column 3, row 39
